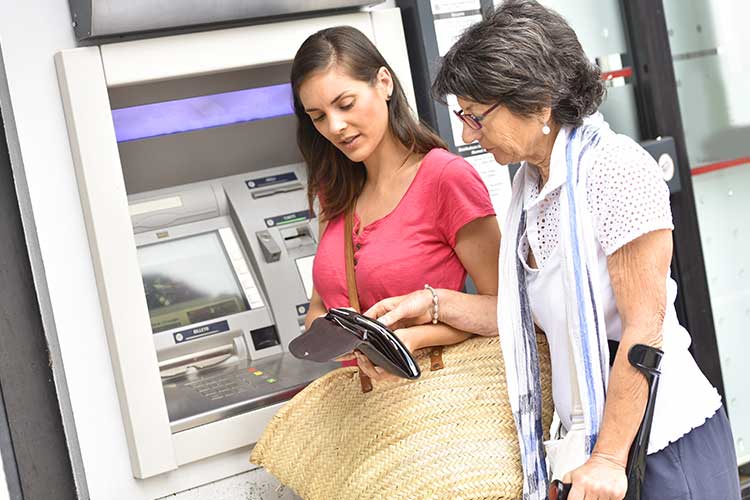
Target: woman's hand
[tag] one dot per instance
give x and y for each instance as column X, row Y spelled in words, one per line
column 403, row 311
column 600, row 478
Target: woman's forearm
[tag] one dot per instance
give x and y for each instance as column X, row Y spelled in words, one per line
column 625, row 405
column 468, row 312
column 638, row 274
column 429, row 335
column 316, row 310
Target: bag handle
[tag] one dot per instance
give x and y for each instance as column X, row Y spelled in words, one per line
column 351, row 282
column 351, row 278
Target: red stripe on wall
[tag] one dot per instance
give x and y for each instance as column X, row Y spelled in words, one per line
column 618, row 73
column 720, row 165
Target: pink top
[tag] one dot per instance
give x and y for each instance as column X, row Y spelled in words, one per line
column 413, row 244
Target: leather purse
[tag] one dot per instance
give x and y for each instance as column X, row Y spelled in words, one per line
column 342, row 330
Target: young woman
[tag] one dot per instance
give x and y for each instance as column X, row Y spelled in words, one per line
column 422, row 216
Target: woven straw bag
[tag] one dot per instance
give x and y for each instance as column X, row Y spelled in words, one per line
column 449, row 434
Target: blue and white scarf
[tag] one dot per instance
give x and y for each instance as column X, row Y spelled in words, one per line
column 585, row 319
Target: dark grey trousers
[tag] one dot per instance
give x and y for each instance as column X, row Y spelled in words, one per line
column 701, row 465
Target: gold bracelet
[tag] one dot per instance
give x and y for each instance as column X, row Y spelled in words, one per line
column 435, row 307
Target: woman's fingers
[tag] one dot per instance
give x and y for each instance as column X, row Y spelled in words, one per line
column 414, row 308
column 346, row 357
column 394, row 316
column 383, row 307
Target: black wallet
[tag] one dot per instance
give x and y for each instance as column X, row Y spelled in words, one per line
column 342, row 330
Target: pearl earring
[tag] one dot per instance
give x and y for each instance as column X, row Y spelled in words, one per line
column 545, row 129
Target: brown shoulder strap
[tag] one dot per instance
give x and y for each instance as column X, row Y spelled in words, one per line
column 351, row 279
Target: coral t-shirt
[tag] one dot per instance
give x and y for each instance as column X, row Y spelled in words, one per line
column 411, row 246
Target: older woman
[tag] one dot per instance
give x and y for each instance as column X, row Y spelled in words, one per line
column 585, row 258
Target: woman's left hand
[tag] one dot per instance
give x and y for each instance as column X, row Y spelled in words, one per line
column 600, row 478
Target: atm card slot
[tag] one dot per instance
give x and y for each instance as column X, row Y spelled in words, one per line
column 265, row 193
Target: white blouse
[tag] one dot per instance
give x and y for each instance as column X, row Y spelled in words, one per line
column 627, row 197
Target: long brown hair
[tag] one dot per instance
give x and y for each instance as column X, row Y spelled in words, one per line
column 332, row 176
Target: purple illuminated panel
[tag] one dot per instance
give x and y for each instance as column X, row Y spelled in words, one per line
column 197, row 113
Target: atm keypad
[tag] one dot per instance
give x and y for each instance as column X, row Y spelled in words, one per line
column 231, row 384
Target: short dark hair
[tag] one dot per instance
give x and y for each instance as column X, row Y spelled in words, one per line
column 526, row 57
column 331, row 176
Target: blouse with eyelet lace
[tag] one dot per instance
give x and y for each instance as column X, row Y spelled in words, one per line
column 626, row 198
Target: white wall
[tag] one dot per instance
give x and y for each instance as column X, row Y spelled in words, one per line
column 30, row 33
column 30, row 105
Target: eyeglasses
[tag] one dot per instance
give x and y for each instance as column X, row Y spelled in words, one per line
column 474, row 121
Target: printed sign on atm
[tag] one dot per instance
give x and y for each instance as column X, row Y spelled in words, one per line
column 201, row 331
column 271, row 180
column 289, row 218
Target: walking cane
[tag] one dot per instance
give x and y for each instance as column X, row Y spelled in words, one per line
column 645, row 359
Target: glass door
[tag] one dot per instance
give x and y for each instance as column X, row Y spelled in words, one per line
column 709, row 41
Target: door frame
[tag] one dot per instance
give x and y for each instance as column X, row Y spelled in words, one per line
column 33, row 442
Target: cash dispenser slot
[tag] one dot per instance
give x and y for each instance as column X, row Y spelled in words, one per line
column 297, row 237
column 198, row 360
column 200, row 353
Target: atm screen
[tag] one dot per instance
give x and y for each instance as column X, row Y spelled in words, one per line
column 189, row 280
column 304, row 266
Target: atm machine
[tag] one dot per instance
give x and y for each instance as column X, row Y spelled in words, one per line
column 202, row 240
column 227, row 274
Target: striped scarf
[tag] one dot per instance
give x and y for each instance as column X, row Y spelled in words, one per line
column 585, row 319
